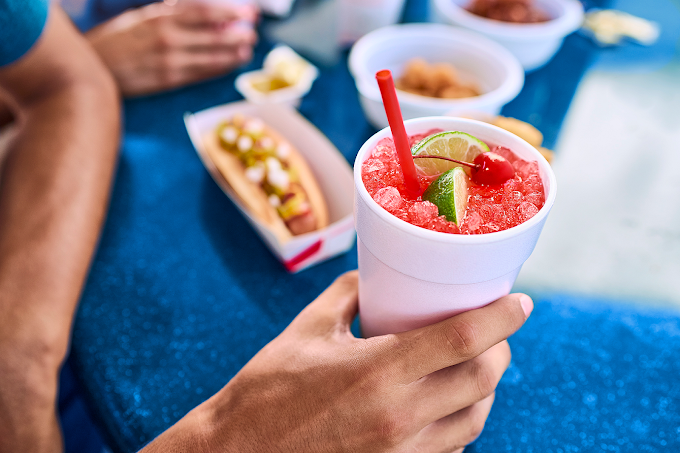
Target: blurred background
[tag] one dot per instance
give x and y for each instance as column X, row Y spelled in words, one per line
column 615, row 228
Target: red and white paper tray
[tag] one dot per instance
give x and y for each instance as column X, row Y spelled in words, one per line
column 332, row 172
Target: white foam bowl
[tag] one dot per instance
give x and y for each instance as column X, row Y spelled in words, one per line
column 533, row 44
column 476, row 58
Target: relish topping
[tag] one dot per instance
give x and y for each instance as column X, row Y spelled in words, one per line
column 266, row 163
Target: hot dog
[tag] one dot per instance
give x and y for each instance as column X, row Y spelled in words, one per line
column 269, row 175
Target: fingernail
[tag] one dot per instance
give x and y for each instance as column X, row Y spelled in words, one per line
column 527, row 304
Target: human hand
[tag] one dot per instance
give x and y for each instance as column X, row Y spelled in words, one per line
column 161, row 46
column 317, row 388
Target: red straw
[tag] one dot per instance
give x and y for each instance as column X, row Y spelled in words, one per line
column 391, row 103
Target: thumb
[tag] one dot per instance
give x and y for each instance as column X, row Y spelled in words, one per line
column 334, row 309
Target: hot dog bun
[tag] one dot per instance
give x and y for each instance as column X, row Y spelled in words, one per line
column 230, row 163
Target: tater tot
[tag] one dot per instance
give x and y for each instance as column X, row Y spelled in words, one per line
column 439, row 80
column 521, row 129
column 415, row 73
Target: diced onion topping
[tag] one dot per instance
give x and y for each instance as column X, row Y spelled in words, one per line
column 244, row 144
column 273, row 164
column 230, row 135
column 255, row 173
column 283, row 150
column 266, row 143
column 274, row 200
column 276, row 175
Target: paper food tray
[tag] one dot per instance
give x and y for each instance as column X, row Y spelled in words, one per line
column 332, row 172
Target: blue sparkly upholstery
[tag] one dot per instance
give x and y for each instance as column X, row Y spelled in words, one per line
column 589, row 375
column 182, row 293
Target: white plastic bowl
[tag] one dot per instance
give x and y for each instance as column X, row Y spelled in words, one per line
column 479, row 59
column 533, row 44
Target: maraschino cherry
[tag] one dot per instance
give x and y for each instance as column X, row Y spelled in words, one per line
column 488, row 169
column 491, row 169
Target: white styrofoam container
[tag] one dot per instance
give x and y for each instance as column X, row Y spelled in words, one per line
column 278, row 8
column 410, row 277
column 332, row 172
column 290, row 95
column 358, row 17
column 476, row 58
column 533, row 44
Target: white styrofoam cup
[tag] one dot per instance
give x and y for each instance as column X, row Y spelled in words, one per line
column 358, row 17
column 410, row 277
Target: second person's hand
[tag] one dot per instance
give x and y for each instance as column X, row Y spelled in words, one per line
column 161, row 46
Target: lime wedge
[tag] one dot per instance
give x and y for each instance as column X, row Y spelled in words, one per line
column 453, row 144
column 449, row 193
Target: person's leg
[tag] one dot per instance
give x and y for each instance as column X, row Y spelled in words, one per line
column 54, row 191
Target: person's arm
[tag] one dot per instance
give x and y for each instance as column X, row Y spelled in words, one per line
column 316, row 388
column 6, row 116
column 54, row 189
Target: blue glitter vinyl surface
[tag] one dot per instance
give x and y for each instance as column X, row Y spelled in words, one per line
column 586, row 375
column 589, row 375
column 183, row 293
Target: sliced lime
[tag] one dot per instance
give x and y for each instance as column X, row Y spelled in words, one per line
column 449, row 193
column 452, row 144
